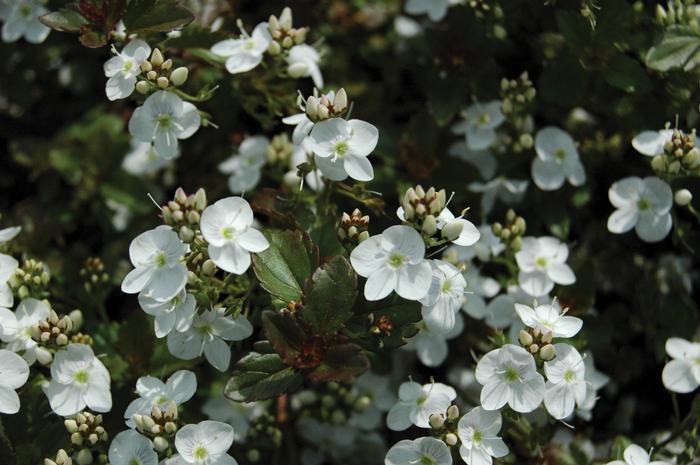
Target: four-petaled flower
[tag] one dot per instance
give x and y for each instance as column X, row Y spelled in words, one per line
column 542, row 262
column 549, row 319
column 566, row 384
column 179, row 388
column 428, row 451
column 557, row 159
column 682, row 373
column 478, row 432
column 205, row 443
column 417, row 403
column 642, row 204
column 21, row 19
column 245, row 53
column 444, row 298
column 341, row 148
column 245, row 167
column 123, row 68
column 479, row 124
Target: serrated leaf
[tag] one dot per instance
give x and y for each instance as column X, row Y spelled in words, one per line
column 284, row 266
column 679, row 48
column 64, row 20
column 259, row 377
column 342, row 362
column 284, row 333
column 330, row 295
column 156, row 16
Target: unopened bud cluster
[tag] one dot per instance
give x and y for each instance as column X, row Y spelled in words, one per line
column 30, row 280
column 335, row 403
column 62, row 458
column 284, row 35
column 265, row 428
column 678, row 13
column 445, row 425
column 353, row 228
column 160, row 425
column 184, row 211
column 55, row 332
column 86, row 429
column 159, row 73
column 94, row 275
column 517, row 94
column 422, row 208
column 538, row 343
column 280, row 149
column 82, row 338
column 512, row 231
column 326, row 106
column 680, row 154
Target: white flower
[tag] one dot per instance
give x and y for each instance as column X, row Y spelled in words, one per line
column 132, row 448
column 416, row 403
column 237, row 414
column 435, row 9
column 468, row 233
column 175, row 314
column 489, row 245
column 179, row 388
column 14, row 372
column 508, row 191
column 123, row 68
column 302, row 126
column 499, row 312
column 483, row 160
column 444, row 298
column 245, row 53
column 163, row 119
column 78, row 379
column 393, row 261
column 509, row 376
column 302, row 154
column 479, row 124
column 245, row 167
column 143, row 158
column 682, row 373
column 206, row 443
column 227, row 227
column 303, row 61
column 549, row 319
column 542, row 262
column 341, row 148
column 478, row 432
column 478, row 289
column 635, row 455
column 208, row 334
column 21, row 19
column 566, row 385
column 8, row 266
column 407, row 27
column 16, row 328
column 419, row 451
column 557, row 159
column 431, row 345
column 10, row 233
column 651, row 143
column 642, row 204
column 157, row 256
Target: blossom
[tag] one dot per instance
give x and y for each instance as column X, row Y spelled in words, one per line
column 489, row 245
column 566, row 384
column 549, row 319
column 642, row 204
column 557, row 159
column 682, row 373
column 16, row 328
column 205, row 443
column 163, row 119
column 393, row 261
column 651, row 143
column 431, row 344
column 175, row 314
column 14, row 372
column 478, row 289
column 635, row 455
column 468, row 233
column 542, row 262
column 227, row 227
column 417, row 403
column 419, row 451
column 508, row 191
column 509, row 375
column 478, row 432
column 302, row 126
column 301, row 155
column 444, row 297
column 435, row 9
column 143, row 158
column 480, row 123
column 341, row 148
column 21, row 19
column 78, row 379
column 8, row 266
column 245, row 167
column 208, row 334
column 130, row 448
column 245, row 53
column 303, row 60
column 179, row 388
column 499, row 312
column 157, row 256
column 483, row 160
column 123, row 68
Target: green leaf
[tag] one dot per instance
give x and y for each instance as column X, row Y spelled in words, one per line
column 342, row 362
column 259, row 377
column 156, row 16
column 679, row 48
column 284, row 333
column 64, row 20
column 330, row 295
column 286, row 264
column 627, row 74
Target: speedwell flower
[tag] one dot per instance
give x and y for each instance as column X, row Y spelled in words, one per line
column 14, row 372
column 16, row 328
column 557, row 159
column 21, row 18
column 419, row 451
column 123, row 68
column 175, row 314
column 444, row 298
column 179, row 388
column 548, row 318
column 682, row 373
column 303, row 61
column 417, row 403
column 642, row 204
column 341, row 148
column 480, row 123
column 635, row 455
column 205, row 443
column 566, row 384
column 245, row 167
column 478, row 432
column 245, row 53
column 542, row 262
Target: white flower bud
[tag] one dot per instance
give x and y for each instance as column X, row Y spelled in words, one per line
column 146, row 66
column 62, row 458
column 683, row 197
column 286, row 18
column 297, row 70
column 93, row 439
column 179, row 76
column 142, row 87
column 160, row 444
column 452, row 230
column 156, row 57
column 151, row 75
column 429, row 225
column 49, row 462
column 451, row 439
column 525, row 338
column 364, row 235
column 61, row 339
column 436, row 421
column 71, row 425
column 147, row 422
column 76, row 439
column 167, row 64
column 548, row 352
column 452, row 412
column 84, row 457
column 340, row 102
column 162, row 82
column 274, row 48
column 44, row 356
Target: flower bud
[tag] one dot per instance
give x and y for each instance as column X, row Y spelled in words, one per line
column 451, row 439
column 452, row 230
column 340, row 103
column 297, row 70
column 547, row 352
column 429, row 225
column 160, row 444
column 92, row 439
column 148, row 422
column 170, row 427
column 162, row 82
column 186, row 234
column 76, row 439
column 436, row 421
column 146, row 66
column 84, row 457
column 208, row 267
column 200, row 199
column 71, row 425
column 274, row 48
column 151, row 75
column 683, row 197
column 61, row 339
column 156, row 57
column 44, row 356
column 62, row 457
column 286, row 18
column 525, row 338
column 179, row 76
column 452, row 412
column 674, row 167
column 364, row 235
column 167, row 64
column 49, row 462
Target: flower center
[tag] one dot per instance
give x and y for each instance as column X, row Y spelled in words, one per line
column 427, row 460
column 511, row 375
column 396, row 260
column 560, row 154
column 249, row 45
column 161, row 260
column 135, row 461
column 541, row 262
column 446, row 287
column 227, row 233
column 162, row 400
column 643, row 204
column 199, row 453
column 25, row 10
column 126, row 67
column 164, row 121
column 341, row 148
column 81, row 377
column 484, row 118
column 477, row 437
column 569, row 376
